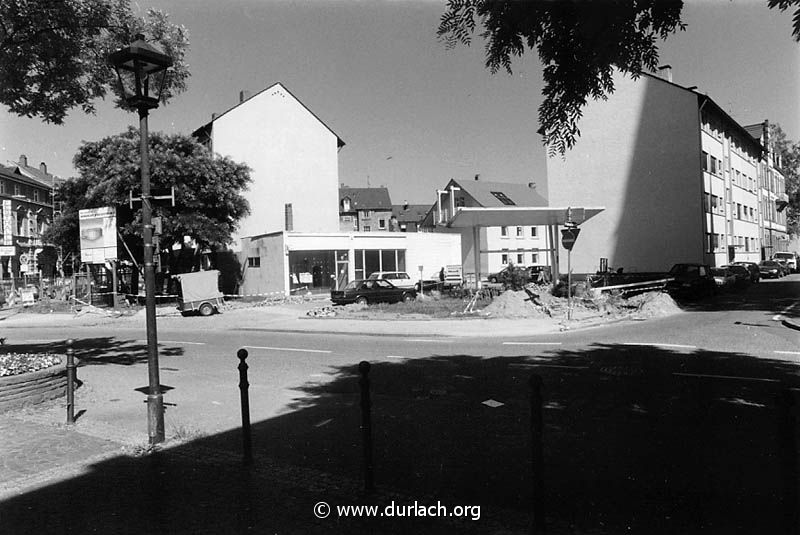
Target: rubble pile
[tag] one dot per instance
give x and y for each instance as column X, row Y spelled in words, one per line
column 536, row 301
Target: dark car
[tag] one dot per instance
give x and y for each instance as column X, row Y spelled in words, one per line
column 752, row 268
column 508, row 273
column 691, row 280
column 372, row 291
column 770, row 269
column 741, row 274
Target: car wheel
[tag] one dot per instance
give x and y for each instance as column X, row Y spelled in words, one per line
column 407, row 298
column 206, row 309
column 361, row 300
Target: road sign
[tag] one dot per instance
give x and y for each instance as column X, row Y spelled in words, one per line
column 568, row 237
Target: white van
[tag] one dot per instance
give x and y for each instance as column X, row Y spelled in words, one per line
column 398, row 278
column 789, row 258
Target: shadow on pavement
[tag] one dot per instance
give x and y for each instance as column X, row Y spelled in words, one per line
column 97, row 351
column 637, row 440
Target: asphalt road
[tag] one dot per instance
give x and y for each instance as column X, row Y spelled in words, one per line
column 199, row 367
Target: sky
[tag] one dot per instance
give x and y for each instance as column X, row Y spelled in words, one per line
column 412, row 113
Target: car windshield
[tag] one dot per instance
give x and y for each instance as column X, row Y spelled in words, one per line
column 719, row 271
column 781, row 256
column 684, row 269
column 353, row 285
column 769, row 263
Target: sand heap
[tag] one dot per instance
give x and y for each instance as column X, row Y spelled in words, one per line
column 538, row 302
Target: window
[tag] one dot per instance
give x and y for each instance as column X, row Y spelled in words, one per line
column 520, row 232
column 17, row 189
column 382, row 224
column 367, row 228
column 346, row 219
column 534, row 232
column 503, row 198
column 706, row 202
column 520, row 259
column 704, row 161
column 3, row 187
column 346, row 204
column 36, row 195
column 254, row 261
column 534, row 258
column 504, row 259
column 460, row 202
column 504, row 232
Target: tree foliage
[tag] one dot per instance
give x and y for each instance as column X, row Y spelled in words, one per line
column 789, row 152
column 54, row 53
column 783, row 5
column 208, row 190
column 579, row 45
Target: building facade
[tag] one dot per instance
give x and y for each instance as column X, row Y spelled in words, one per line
column 409, row 217
column 365, row 210
column 26, row 212
column 293, row 157
column 678, row 177
column 499, row 245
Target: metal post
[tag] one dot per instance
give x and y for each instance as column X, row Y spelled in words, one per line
column 155, row 400
column 244, row 385
column 569, row 284
column 366, row 425
column 70, row 383
column 537, row 455
column 114, row 283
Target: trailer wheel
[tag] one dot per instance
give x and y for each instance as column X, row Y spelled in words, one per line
column 206, row 309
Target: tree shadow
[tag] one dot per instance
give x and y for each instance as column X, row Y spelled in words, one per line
column 100, row 350
column 637, row 440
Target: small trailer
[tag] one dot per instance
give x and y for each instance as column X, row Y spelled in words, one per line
column 199, row 292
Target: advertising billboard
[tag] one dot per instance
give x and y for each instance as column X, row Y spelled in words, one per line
column 98, row 233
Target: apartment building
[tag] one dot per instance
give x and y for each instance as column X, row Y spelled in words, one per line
column 680, row 180
column 365, row 210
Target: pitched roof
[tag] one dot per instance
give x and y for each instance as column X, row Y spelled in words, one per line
column 410, row 212
column 205, row 130
column 366, row 198
column 14, row 173
column 497, row 194
column 39, row 177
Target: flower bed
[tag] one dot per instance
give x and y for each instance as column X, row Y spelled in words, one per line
column 28, row 379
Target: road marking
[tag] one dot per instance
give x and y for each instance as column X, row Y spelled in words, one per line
column 175, row 342
column 531, row 343
column 290, row 349
column 427, row 340
column 396, row 357
column 29, row 341
column 657, row 344
column 787, row 352
column 727, row 377
column 323, row 422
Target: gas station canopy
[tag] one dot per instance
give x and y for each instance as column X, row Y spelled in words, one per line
column 512, row 216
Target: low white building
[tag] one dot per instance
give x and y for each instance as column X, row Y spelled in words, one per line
column 284, row 262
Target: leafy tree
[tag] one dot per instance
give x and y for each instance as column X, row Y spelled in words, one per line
column 54, row 53
column 790, row 168
column 208, row 190
column 579, row 43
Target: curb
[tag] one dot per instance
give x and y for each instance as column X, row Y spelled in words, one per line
column 790, row 324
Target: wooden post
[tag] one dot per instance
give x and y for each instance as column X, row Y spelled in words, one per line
column 247, row 444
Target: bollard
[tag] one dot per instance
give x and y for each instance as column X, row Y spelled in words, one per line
column 537, row 455
column 70, row 383
column 787, row 422
column 366, row 425
column 247, row 444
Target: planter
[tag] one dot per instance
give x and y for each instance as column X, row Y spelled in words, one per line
column 33, row 387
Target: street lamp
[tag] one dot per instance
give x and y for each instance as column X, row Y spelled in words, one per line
column 141, row 70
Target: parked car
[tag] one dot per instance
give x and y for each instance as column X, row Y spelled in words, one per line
column 507, row 274
column 789, row 258
column 372, row 291
column 400, row 279
column 752, row 267
column 724, row 277
column 691, row 280
column 770, row 269
column 740, row 273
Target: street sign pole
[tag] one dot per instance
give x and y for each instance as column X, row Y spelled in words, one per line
column 568, row 237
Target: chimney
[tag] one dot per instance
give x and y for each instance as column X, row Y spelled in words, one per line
column 477, row 177
column 405, row 204
column 532, row 185
column 244, row 95
column 43, row 167
column 665, row 72
column 288, row 217
column 23, row 160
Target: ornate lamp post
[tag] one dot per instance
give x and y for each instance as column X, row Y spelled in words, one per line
column 141, row 70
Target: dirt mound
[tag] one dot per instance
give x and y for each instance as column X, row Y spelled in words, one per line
column 518, row 304
column 653, row 305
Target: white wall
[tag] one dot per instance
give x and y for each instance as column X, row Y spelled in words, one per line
column 293, row 157
column 638, row 155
